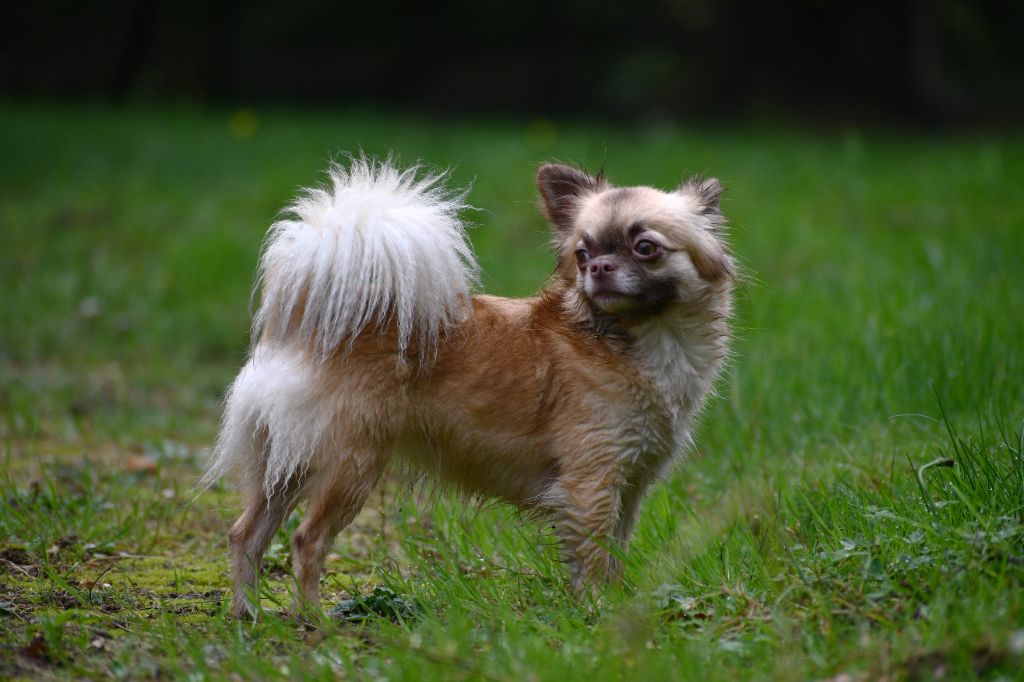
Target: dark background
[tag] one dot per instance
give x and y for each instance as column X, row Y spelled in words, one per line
column 941, row 63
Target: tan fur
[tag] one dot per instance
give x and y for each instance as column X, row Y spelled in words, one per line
column 541, row 402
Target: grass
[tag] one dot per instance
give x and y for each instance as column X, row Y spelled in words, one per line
column 853, row 509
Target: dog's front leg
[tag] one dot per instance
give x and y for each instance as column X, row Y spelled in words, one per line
column 632, row 495
column 586, row 526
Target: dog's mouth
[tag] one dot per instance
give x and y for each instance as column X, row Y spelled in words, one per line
column 614, row 301
column 609, row 298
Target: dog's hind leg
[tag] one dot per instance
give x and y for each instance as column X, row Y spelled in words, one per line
column 252, row 532
column 335, row 498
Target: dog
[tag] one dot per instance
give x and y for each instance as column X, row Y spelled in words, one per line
column 369, row 344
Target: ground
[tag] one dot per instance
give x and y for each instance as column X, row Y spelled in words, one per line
column 852, row 508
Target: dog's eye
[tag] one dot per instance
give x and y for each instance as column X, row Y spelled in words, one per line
column 581, row 256
column 645, row 248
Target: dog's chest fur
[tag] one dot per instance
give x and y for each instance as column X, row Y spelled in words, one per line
column 676, row 367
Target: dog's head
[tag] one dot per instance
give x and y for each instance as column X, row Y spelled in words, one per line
column 634, row 253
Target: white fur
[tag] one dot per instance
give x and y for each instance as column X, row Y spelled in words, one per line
column 379, row 242
column 682, row 365
column 274, row 411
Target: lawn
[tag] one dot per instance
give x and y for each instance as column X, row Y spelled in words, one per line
column 854, row 507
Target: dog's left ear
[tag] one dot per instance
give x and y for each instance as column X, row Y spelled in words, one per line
column 708, row 251
column 560, row 187
column 707, row 191
column 711, row 261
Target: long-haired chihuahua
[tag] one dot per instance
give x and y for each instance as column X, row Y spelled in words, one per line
column 369, row 344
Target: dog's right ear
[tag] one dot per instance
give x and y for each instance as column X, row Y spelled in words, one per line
column 560, row 187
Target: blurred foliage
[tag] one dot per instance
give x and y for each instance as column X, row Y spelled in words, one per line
column 947, row 61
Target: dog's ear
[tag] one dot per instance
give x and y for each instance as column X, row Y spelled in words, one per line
column 708, row 251
column 708, row 194
column 707, row 191
column 711, row 261
column 560, row 188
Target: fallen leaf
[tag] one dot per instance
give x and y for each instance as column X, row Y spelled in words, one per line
column 37, row 650
column 140, row 464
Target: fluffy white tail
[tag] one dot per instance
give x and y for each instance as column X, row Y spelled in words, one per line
column 379, row 244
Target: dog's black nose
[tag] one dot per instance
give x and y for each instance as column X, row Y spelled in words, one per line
column 602, row 265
